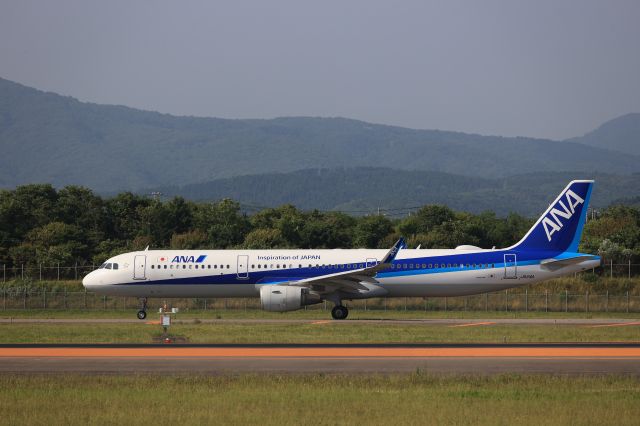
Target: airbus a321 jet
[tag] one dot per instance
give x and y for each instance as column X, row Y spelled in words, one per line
column 287, row 280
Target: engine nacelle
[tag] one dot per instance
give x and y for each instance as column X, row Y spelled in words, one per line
column 282, row 298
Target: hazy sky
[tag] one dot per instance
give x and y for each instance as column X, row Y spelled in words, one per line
column 540, row 68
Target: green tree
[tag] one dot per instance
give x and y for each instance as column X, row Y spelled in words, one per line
column 81, row 207
column 264, row 239
column 58, row 242
column 189, row 240
column 223, row 223
column 327, row 230
column 371, row 230
column 425, row 219
column 125, row 210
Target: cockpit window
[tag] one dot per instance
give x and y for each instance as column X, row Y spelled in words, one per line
column 115, row 266
column 102, row 266
column 108, row 266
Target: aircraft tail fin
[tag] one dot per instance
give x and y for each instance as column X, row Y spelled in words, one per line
column 560, row 227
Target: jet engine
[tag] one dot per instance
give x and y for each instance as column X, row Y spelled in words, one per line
column 282, row 298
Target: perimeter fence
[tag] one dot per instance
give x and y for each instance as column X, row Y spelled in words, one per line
column 514, row 300
column 508, row 301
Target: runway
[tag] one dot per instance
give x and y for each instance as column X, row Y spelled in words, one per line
column 618, row 358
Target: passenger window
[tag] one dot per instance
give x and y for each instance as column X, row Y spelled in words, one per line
column 208, row 266
column 151, row 266
column 184, row 266
column 228, row 266
column 448, row 265
column 430, row 266
column 165, row 266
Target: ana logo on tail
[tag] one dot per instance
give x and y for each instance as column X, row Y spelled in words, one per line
column 552, row 222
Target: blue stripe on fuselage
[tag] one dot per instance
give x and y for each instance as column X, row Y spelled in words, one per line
column 482, row 260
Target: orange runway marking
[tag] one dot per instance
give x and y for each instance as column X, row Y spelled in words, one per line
column 473, row 324
column 323, row 352
column 622, row 324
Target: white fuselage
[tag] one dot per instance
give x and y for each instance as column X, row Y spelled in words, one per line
column 241, row 273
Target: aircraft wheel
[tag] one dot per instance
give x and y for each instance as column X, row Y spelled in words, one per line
column 142, row 315
column 339, row 312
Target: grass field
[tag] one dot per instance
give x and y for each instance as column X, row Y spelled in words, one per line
column 319, row 399
column 321, row 332
column 316, row 314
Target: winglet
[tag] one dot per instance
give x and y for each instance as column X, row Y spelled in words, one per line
column 393, row 251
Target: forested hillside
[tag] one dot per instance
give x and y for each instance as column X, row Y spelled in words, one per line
column 42, row 226
column 365, row 190
column 53, row 139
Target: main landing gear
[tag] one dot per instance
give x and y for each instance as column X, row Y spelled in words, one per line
column 339, row 312
column 142, row 313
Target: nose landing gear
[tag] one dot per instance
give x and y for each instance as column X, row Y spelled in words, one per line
column 142, row 313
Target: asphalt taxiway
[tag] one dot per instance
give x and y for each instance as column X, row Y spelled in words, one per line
column 561, row 358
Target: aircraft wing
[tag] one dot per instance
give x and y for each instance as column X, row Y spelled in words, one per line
column 353, row 280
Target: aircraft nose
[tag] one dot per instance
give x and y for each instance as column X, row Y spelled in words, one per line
column 89, row 280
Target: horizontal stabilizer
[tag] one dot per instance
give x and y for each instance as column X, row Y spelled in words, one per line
column 555, row 264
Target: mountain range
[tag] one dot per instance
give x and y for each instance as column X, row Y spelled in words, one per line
column 620, row 134
column 310, row 161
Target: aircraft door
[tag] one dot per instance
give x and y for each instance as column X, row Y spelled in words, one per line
column 243, row 267
column 510, row 266
column 371, row 262
column 139, row 267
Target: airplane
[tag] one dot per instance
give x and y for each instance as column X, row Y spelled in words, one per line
column 288, row 280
